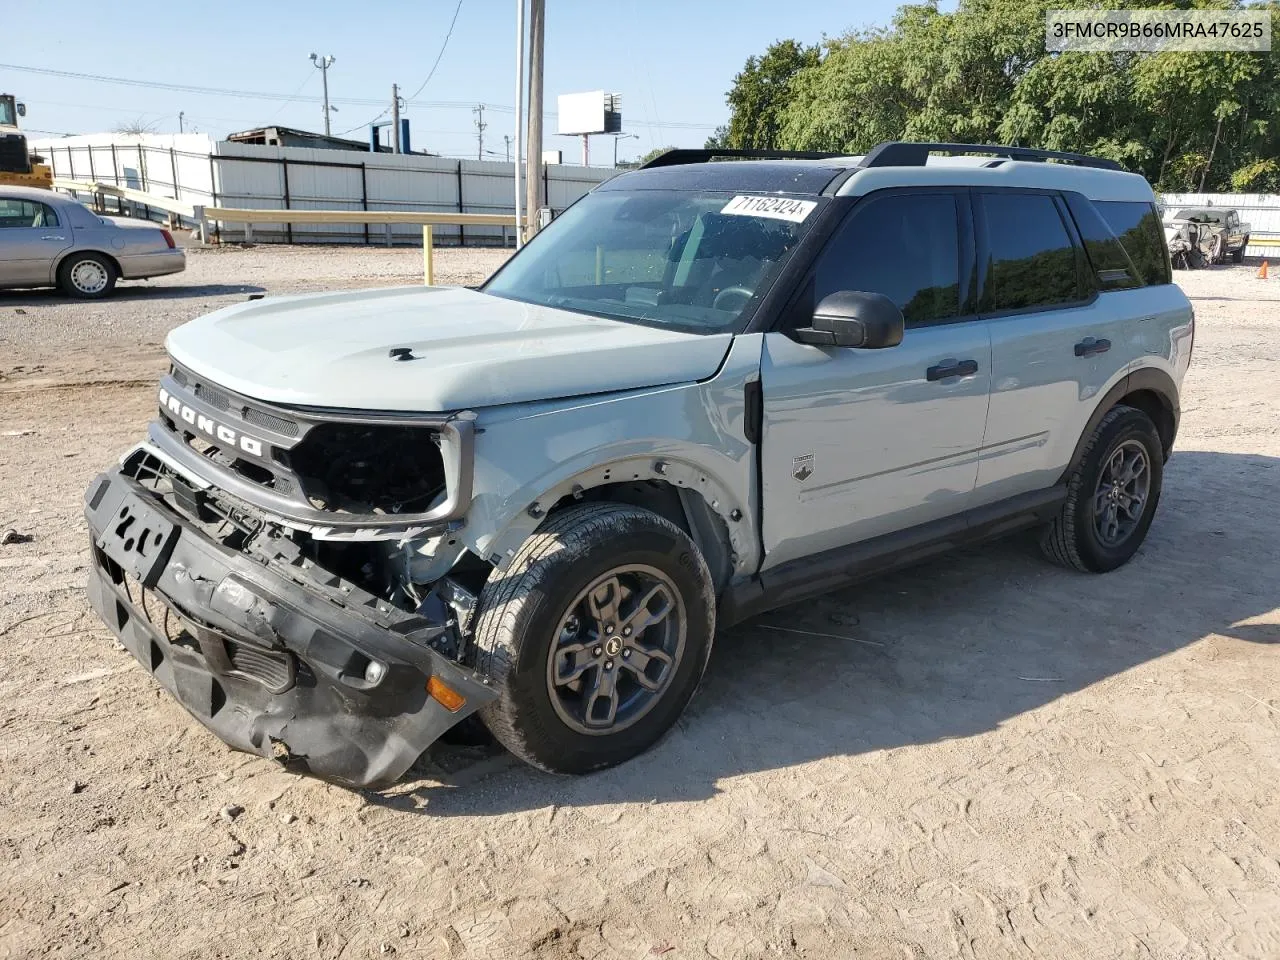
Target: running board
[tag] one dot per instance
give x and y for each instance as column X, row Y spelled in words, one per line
column 823, row 572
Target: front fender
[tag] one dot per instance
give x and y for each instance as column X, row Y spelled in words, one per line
column 688, row 435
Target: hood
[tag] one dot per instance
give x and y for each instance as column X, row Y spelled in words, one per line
column 469, row 349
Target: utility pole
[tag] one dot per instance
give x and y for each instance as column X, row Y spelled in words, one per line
column 519, row 112
column 180, row 127
column 323, row 64
column 506, row 138
column 478, row 110
column 533, row 167
column 395, row 118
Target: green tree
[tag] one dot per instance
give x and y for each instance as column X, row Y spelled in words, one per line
column 655, row 152
column 760, row 94
column 980, row 74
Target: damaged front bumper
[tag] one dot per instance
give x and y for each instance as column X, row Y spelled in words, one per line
column 270, row 663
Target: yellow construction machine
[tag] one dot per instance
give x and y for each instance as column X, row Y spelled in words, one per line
column 18, row 166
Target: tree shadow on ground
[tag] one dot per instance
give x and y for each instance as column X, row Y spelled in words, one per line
column 949, row 649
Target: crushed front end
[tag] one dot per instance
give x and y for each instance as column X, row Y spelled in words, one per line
column 291, row 576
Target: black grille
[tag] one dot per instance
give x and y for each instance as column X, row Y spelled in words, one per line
column 215, row 398
column 273, row 670
column 269, row 420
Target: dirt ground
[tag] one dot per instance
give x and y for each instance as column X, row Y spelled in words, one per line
column 984, row 757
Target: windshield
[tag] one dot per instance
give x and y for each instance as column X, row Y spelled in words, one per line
column 7, row 117
column 683, row 259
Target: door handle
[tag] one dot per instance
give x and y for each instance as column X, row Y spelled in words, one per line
column 52, row 237
column 1089, row 346
column 944, row 369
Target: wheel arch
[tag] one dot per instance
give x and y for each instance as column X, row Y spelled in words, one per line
column 690, row 497
column 75, row 251
column 1150, row 390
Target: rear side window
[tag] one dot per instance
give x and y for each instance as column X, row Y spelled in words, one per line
column 26, row 213
column 1139, row 229
column 905, row 247
column 1031, row 260
column 1112, row 267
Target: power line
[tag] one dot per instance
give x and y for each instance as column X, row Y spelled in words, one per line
column 448, row 34
column 268, row 95
column 424, row 83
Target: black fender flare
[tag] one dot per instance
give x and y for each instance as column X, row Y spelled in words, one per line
column 1148, row 379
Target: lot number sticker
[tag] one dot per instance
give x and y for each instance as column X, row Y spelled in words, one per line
column 775, row 208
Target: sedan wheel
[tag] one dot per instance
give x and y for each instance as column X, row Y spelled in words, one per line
column 87, row 275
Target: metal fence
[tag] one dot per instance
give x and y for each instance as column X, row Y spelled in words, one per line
column 299, row 178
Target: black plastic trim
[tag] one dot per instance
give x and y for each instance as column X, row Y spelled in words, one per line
column 1148, row 378
column 673, row 158
column 907, row 154
column 823, row 572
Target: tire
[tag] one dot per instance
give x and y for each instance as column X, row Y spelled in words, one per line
column 1237, row 256
column 1075, row 538
column 88, row 276
column 530, row 611
column 1218, row 249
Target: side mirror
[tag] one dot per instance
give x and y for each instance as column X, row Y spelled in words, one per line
column 851, row 318
column 22, row 109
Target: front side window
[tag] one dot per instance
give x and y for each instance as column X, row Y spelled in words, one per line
column 690, row 260
column 26, row 213
column 905, row 247
column 1031, row 262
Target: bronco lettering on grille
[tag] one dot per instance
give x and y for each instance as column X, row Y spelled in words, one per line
column 208, row 426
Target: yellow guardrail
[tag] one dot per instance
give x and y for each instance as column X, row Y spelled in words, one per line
column 248, row 217
column 388, row 218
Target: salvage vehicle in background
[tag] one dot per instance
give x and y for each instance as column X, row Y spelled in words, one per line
column 1198, row 236
column 706, row 390
column 47, row 239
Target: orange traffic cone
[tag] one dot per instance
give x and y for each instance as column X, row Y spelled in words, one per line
column 1262, row 271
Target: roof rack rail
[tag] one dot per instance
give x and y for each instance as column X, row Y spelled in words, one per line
column 899, row 153
column 674, row 158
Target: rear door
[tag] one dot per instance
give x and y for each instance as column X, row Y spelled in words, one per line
column 1056, row 345
column 31, row 237
column 858, row 443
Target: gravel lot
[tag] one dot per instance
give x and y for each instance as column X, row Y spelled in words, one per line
column 981, row 757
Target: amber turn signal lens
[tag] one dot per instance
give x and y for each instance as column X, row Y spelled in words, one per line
column 445, row 695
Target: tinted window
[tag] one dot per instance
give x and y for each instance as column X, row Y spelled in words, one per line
column 903, row 247
column 1031, row 260
column 1139, row 229
column 1112, row 268
column 26, row 213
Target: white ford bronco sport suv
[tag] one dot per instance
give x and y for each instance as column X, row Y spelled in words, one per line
column 705, row 390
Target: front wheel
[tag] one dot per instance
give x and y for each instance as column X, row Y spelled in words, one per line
column 595, row 637
column 1111, row 495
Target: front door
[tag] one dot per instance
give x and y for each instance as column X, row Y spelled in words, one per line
column 31, row 237
column 859, row 443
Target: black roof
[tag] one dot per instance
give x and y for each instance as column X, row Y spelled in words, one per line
column 755, row 176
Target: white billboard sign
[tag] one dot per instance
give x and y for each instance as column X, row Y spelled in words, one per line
column 581, row 113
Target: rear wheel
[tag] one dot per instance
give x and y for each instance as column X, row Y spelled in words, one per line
column 1237, row 256
column 595, row 638
column 1111, row 495
column 87, row 275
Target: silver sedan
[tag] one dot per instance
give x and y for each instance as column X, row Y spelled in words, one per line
column 48, row 240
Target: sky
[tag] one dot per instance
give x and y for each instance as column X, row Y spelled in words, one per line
column 671, row 61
